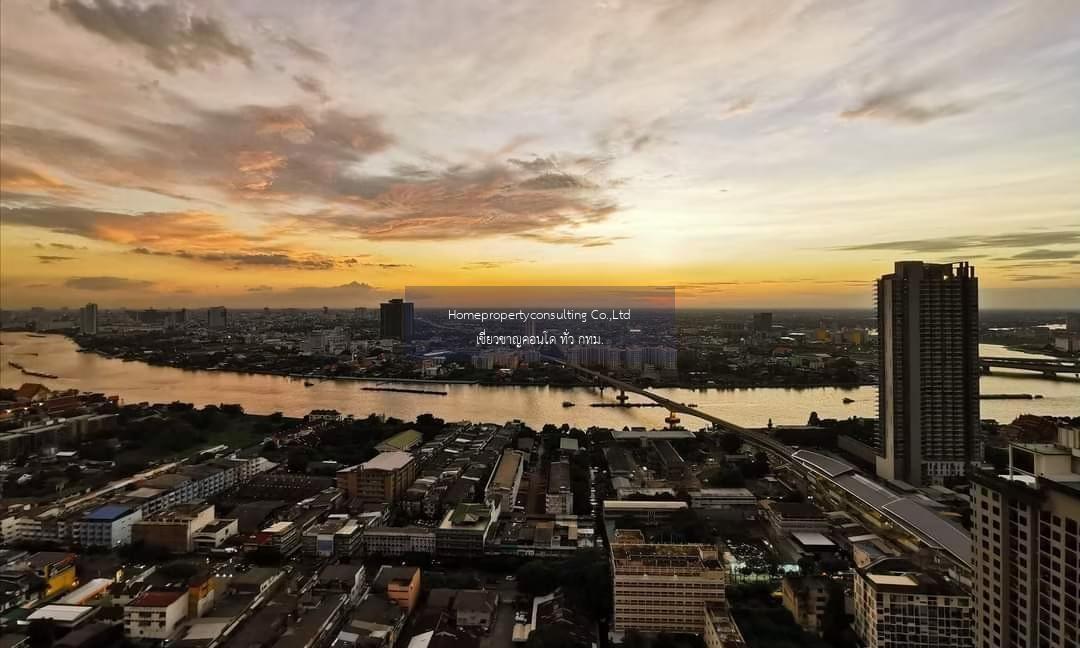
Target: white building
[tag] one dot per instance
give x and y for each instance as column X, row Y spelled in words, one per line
column 155, row 614
column 398, row 541
column 898, row 605
column 108, row 526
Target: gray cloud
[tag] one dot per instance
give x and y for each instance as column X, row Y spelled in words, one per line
column 106, row 283
column 262, row 288
column 948, row 244
column 170, row 38
column 1032, row 277
column 45, row 258
column 312, row 86
column 563, row 238
column 303, row 50
column 1042, row 253
column 907, row 104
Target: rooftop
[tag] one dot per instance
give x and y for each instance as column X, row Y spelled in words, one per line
column 388, row 574
column 60, row 613
column 156, row 598
column 813, row 540
column 388, row 461
column 508, row 467
column 635, row 505
column 403, row 440
column 108, row 513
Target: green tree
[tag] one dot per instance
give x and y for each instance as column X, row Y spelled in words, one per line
column 730, row 442
column 834, row 621
column 537, row 578
column 808, row 565
column 552, row 636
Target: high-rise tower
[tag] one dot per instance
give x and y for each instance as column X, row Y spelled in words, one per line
column 928, row 389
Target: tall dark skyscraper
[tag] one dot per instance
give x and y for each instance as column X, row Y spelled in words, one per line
column 396, row 320
column 217, row 318
column 88, row 319
column 928, row 391
column 763, row 322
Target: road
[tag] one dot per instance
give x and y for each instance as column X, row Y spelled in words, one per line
column 502, row 633
column 763, row 441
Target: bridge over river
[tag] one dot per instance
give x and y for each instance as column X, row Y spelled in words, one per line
column 1046, row 366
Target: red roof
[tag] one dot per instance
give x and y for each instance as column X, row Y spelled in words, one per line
column 156, row 599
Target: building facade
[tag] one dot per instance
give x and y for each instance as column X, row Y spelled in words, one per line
column 664, row 588
column 898, row 605
column 396, row 320
column 1026, row 543
column 382, row 479
column 928, row 391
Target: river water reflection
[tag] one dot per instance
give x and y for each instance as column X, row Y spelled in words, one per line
column 135, row 382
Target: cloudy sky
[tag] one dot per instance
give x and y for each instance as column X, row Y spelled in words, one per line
column 749, row 153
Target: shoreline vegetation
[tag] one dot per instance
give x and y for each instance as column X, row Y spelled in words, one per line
column 847, row 386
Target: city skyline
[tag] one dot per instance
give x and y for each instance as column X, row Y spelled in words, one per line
column 268, row 154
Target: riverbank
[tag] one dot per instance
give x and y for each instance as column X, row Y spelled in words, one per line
column 536, row 405
column 487, row 383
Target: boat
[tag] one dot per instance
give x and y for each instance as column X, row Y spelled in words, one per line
column 39, row 374
column 567, row 404
column 308, row 383
column 848, row 401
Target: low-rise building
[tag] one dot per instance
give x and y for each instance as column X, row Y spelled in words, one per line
column 155, row 614
column 649, row 512
column 215, row 534
column 476, row 608
column 406, row 441
column 65, row 616
column 464, row 530
column 108, row 526
column 506, row 478
column 173, row 530
column 340, row 537
column 728, row 503
column 398, row 541
column 284, row 537
column 55, row 568
column 559, row 499
column 790, row 517
column 400, row 585
column 805, row 597
column 721, row 631
column 347, row 579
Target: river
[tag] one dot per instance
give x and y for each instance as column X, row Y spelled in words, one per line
column 135, row 382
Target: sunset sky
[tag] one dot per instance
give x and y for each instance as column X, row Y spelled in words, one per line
column 779, row 154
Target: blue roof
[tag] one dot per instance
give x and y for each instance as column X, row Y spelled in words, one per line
column 107, row 513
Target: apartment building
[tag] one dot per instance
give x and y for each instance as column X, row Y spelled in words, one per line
column 506, row 479
column 1026, row 543
column 664, row 587
column 805, row 597
column 928, row 399
column 900, row 605
column 559, row 499
column 382, row 479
